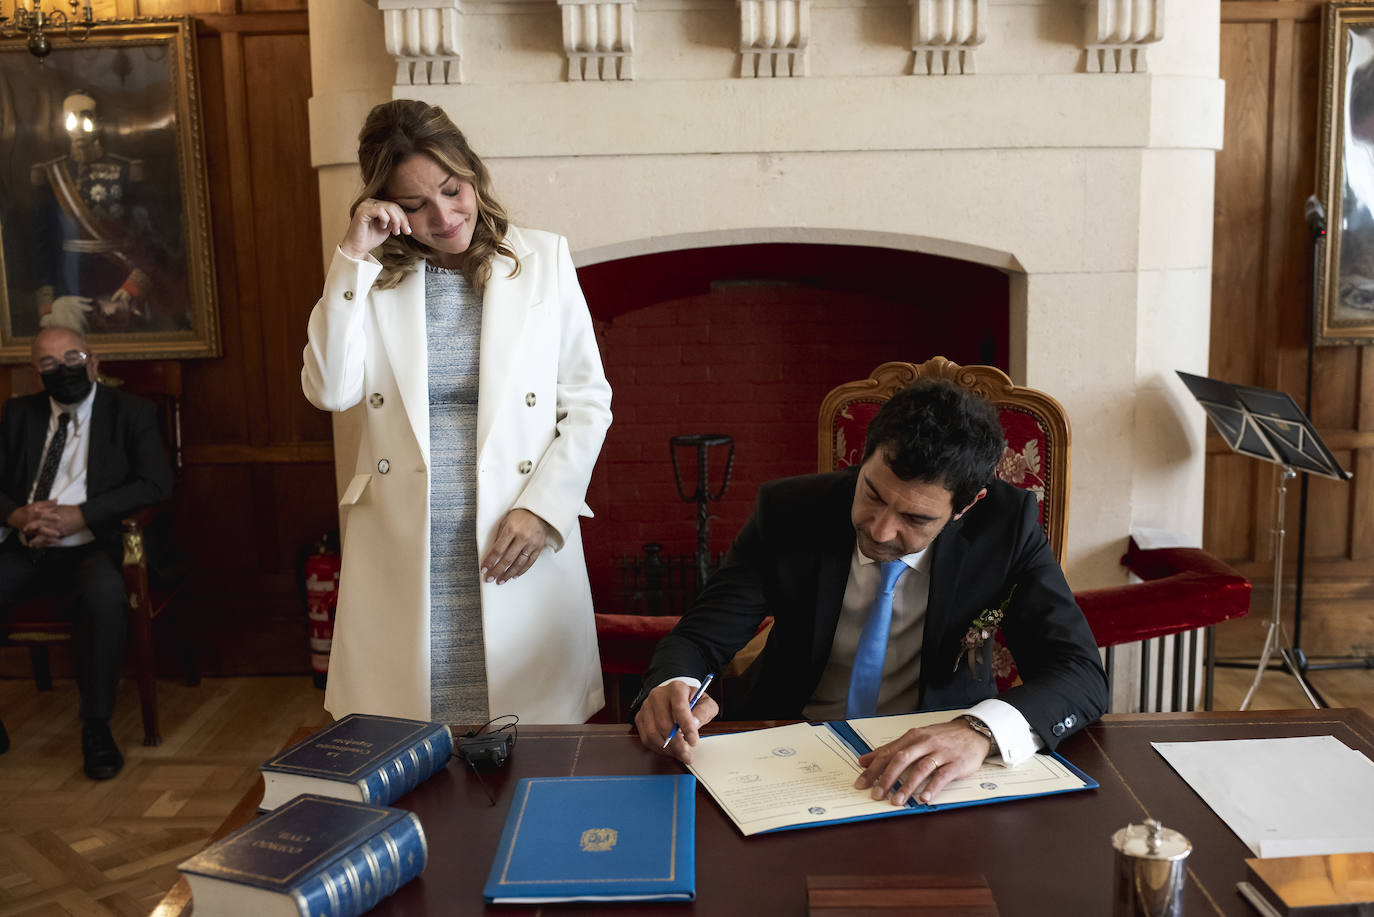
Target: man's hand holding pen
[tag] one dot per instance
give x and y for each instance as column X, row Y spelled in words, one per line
column 667, row 707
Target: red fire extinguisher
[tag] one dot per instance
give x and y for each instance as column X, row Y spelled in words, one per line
column 320, row 577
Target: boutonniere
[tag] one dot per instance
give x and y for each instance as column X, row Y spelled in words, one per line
column 980, row 631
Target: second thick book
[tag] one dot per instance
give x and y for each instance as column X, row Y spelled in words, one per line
column 361, row 757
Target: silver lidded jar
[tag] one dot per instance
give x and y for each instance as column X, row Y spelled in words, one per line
column 1151, row 864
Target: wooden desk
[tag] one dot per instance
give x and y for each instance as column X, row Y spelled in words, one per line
column 1041, row 857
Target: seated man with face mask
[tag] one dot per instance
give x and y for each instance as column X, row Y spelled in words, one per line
column 74, row 461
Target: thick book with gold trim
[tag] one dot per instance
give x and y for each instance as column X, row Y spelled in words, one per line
column 313, row 857
column 597, row 839
column 362, row 757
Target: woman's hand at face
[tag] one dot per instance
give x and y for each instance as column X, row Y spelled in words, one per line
column 372, row 222
column 519, row 540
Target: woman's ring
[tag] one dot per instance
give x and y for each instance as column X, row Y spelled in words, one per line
column 938, row 765
column 524, row 553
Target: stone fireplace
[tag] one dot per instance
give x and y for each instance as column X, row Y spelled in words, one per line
column 1068, row 145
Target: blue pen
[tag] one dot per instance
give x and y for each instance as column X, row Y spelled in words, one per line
column 691, row 705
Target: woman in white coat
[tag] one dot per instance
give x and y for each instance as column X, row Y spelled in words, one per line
column 464, row 590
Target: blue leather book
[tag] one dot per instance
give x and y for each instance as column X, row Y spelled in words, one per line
column 361, row 757
column 597, row 839
column 313, row 857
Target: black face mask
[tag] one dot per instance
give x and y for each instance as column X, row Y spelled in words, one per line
column 67, row 384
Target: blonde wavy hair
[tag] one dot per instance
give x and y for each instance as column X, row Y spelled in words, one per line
column 395, row 131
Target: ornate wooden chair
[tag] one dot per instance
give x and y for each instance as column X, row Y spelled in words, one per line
column 1037, row 431
column 38, row 623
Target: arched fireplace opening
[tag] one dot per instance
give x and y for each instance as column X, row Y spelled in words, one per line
column 745, row 340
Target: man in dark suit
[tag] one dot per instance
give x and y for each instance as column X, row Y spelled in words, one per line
column 74, row 461
column 957, row 549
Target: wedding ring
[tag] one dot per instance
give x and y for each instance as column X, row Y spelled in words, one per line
column 524, row 553
column 938, row 765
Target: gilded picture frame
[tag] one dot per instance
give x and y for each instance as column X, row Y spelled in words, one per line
column 104, row 198
column 1344, row 288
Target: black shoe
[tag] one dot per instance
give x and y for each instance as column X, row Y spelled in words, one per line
column 4, row 739
column 99, row 750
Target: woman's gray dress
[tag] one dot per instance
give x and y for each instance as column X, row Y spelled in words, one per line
column 457, row 654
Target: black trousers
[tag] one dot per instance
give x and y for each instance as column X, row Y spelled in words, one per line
column 89, row 587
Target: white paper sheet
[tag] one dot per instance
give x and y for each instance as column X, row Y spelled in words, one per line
column 1283, row 797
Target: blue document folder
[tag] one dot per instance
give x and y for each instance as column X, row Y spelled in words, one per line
column 802, row 776
column 597, row 839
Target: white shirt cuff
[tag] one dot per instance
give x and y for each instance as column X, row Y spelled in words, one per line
column 687, row 680
column 1016, row 741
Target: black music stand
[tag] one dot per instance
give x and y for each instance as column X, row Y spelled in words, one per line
column 1269, row 426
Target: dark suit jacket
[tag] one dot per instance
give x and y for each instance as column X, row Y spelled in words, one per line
column 791, row 561
column 126, row 468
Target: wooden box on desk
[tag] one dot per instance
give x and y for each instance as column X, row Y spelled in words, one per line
column 887, row 896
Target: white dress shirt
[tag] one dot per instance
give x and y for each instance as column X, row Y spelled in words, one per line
column 69, row 487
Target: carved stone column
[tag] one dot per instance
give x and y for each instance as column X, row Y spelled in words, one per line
column 944, row 34
column 599, row 38
column 1118, row 31
column 426, row 38
column 773, row 36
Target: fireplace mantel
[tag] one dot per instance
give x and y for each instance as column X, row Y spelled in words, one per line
column 1067, row 158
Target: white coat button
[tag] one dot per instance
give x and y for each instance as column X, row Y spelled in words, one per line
column 529, row 399
column 348, row 294
column 376, row 399
column 526, row 466
column 383, row 466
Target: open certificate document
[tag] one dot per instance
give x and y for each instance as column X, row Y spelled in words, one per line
column 803, row 775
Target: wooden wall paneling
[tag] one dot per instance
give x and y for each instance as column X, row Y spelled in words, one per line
column 1362, row 485
column 272, row 6
column 1238, row 259
column 1285, row 87
column 286, row 226
column 221, row 535
column 248, row 307
column 175, row 7
column 306, row 508
column 215, row 410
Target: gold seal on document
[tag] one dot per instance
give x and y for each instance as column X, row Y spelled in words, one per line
column 599, row 840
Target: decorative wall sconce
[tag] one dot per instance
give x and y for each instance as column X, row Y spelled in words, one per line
column 30, row 19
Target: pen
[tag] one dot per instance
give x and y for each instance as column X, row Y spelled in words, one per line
column 691, row 704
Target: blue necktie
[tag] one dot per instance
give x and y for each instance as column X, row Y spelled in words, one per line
column 867, row 674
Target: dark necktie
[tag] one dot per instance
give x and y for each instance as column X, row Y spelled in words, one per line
column 867, row 675
column 52, row 458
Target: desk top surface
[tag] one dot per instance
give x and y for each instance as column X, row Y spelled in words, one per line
column 1051, row 855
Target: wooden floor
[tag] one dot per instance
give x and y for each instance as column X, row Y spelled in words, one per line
column 69, row 846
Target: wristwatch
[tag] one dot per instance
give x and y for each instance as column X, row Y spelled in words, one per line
column 982, row 729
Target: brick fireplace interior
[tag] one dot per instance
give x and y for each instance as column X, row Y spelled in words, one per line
column 746, row 340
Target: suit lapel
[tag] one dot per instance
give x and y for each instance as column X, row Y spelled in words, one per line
column 951, row 548
column 400, row 314
column 101, row 435
column 832, row 574
column 35, row 428
column 507, row 304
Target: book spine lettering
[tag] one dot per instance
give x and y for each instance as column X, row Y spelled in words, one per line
column 369, row 872
column 411, row 767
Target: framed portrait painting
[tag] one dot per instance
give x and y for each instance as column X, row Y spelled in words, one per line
column 104, row 210
column 1344, row 289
